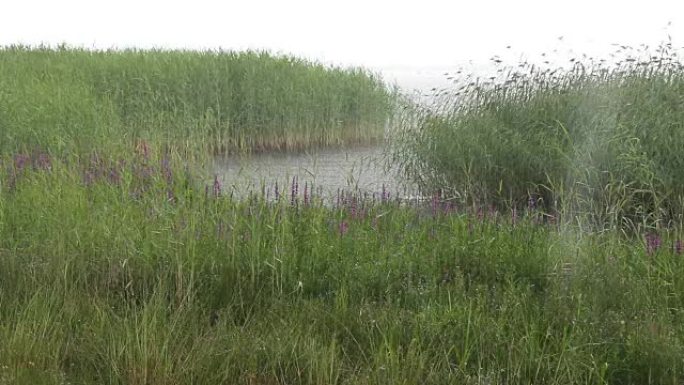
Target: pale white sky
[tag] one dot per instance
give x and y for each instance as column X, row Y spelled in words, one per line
column 392, row 36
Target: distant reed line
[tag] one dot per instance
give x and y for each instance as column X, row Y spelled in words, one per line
column 67, row 99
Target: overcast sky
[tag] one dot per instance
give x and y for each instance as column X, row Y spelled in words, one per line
column 385, row 35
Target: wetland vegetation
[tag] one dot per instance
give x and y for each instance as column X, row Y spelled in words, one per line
column 548, row 251
column 74, row 100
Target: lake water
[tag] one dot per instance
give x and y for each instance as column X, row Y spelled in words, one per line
column 361, row 169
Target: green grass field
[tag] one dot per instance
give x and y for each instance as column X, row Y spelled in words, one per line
column 122, row 263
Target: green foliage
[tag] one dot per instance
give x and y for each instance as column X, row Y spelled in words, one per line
column 592, row 138
column 73, row 100
column 146, row 278
column 125, row 267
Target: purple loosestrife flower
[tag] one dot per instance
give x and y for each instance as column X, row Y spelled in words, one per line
column 276, row 192
column 20, row 162
column 679, row 247
column 166, row 170
column 114, row 177
column 293, row 191
column 385, row 194
column 435, row 204
column 43, row 162
column 343, row 228
column 653, row 243
column 353, row 208
column 217, row 187
column 146, row 172
column 306, row 194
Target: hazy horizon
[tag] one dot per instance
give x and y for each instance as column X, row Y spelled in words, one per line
column 407, row 43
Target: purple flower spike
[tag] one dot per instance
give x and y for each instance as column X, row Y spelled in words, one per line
column 435, row 204
column 114, row 176
column 217, row 186
column 293, row 190
column 679, row 247
column 20, row 162
column 276, row 191
column 166, row 169
column 653, row 243
column 353, row 208
column 44, row 162
column 306, row 194
column 343, row 228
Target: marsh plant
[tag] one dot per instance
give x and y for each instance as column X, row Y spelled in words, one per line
column 123, row 261
column 124, row 271
column 72, row 100
column 598, row 139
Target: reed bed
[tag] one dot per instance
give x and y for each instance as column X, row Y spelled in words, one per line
column 73, row 100
column 134, row 270
column 598, row 139
column 122, row 262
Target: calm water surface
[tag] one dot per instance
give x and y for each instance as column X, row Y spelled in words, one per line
column 329, row 170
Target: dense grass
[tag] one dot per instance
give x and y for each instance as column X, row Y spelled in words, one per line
column 131, row 272
column 120, row 263
column 72, row 100
column 602, row 138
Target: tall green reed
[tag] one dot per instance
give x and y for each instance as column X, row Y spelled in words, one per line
column 73, row 99
column 594, row 139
